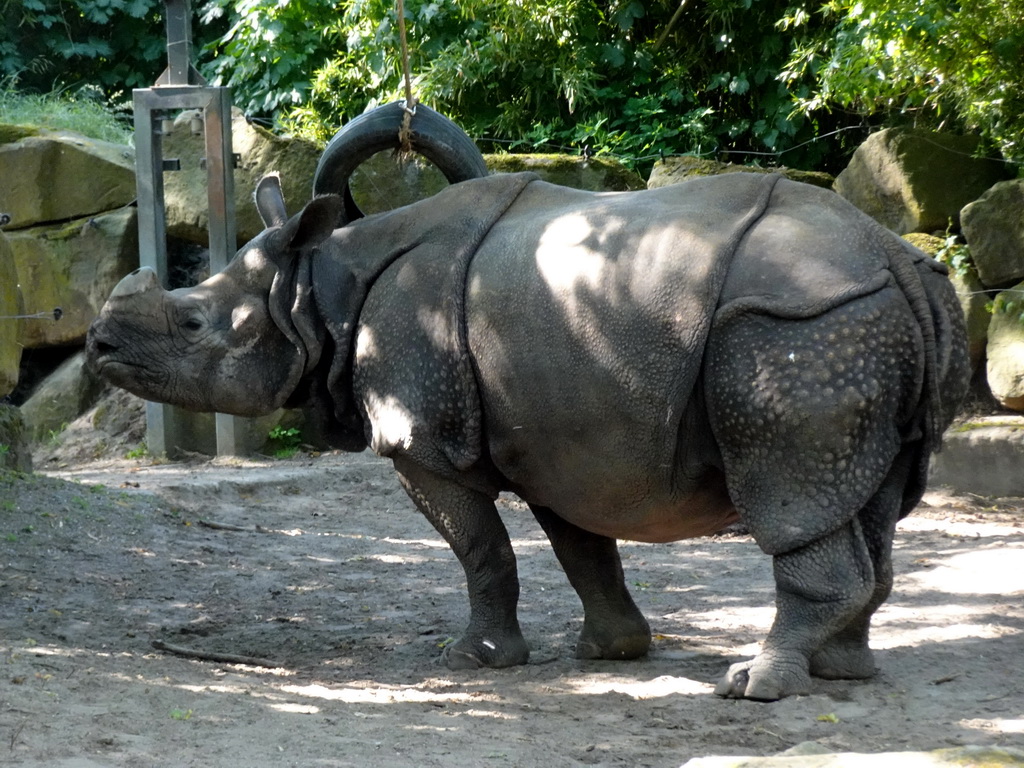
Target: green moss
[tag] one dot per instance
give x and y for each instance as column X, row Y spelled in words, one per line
column 593, row 173
column 982, row 757
column 12, row 133
column 972, row 425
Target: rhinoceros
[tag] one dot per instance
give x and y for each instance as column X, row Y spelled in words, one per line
column 648, row 366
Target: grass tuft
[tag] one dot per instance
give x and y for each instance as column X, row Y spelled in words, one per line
column 82, row 111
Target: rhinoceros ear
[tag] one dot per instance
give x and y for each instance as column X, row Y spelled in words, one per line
column 270, row 201
column 314, row 224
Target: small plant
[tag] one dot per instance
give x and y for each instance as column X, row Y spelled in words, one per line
column 1001, row 305
column 181, row 714
column 53, row 435
column 138, row 452
column 284, row 442
column 956, row 255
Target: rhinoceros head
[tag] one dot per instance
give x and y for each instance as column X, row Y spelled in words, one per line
column 238, row 342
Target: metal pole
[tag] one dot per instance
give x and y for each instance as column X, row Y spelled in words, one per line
column 180, row 87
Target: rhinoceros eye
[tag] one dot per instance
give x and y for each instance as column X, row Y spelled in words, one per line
column 192, row 324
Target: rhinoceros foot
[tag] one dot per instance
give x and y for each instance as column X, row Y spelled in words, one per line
column 623, row 640
column 765, row 679
column 849, row 660
column 475, row 652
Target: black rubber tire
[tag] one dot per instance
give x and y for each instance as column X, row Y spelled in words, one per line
column 431, row 134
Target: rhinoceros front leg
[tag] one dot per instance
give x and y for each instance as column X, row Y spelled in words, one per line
column 820, row 589
column 613, row 627
column 469, row 522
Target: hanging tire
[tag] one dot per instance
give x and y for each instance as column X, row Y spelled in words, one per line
column 432, row 135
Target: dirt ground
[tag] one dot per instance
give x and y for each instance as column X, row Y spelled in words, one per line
column 323, row 569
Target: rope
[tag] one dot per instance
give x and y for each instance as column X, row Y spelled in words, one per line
column 405, row 132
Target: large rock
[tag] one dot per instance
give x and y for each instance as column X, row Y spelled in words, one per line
column 595, row 174
column 261, row 152
column 10, row 307
column 73, row 266
column 982, row 456
column 673, row 170
column 917, row 181
column 969, row 290
column 994, row 228
column 61, row 398
column 1006, row 348
column 14, row 450
column 58, row 176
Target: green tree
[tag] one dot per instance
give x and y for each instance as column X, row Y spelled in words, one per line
column 623, row 76
column 112, row 45
column 931, row 62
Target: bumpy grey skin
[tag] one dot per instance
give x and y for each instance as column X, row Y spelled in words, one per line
column 644, row 366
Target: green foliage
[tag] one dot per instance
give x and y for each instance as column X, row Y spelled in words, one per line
column 1009, row 302
column 613, row 77
column 114, row 45
column 82, row 111
column 927, row 61
column 268, row 50
column 955, row 253
column 139, row 452
column 748, row 80
column 284, row 442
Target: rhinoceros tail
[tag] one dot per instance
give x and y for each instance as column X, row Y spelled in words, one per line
column 928, row 414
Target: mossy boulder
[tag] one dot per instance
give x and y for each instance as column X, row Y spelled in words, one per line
column 913, row 180
column 73, row 266
column 994, row 228
column 10, row 306
column 14, row 449
column 55, row 176
column 1005, row 366
column 596, row 174
column 61, row 398
column 12, row 133
column 673, row 170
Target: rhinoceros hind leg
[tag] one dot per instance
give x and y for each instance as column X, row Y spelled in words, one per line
column 469, row 522
column 820, row 589
column 613, row 627
column 846, row 655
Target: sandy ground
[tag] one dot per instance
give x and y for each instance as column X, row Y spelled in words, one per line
column 323, row 569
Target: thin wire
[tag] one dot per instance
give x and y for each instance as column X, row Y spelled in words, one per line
column 56, row 314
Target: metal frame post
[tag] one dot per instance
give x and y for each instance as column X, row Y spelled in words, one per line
column 181, row 87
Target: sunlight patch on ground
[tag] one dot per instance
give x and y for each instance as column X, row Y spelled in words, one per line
column 995, row 725
column 399, row 559
column 666, row 685
column 437, row 543
column 929, row 634
column 980, row 572
column 296, row 709
column 374, row 695
column 759, row 617
column 967, row 529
